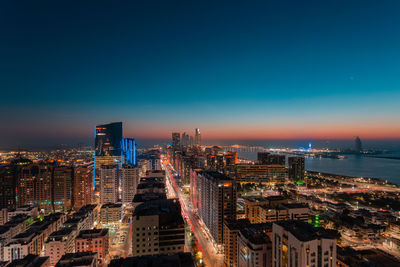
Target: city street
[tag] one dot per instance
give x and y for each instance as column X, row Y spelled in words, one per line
column 204, row 243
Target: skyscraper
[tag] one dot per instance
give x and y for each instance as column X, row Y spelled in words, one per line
column 128, row 149
column 8, row 186
column 357, row 145
column 197, row 137
column 108, row 141
column 296, row 168
column 176, row 141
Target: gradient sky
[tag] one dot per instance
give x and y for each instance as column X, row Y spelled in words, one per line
column 235, row 69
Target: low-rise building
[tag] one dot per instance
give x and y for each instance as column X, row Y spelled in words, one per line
column 294, row 211
column 175, row 259
column 59, row 243
column 111, row 213
column 30, row 261
column 94, row 240
column 78, row 259
column 254, row 248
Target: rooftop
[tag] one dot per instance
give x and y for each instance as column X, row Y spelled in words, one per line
column 215, row 175
column 171, row 260
column 29, row 261
column 111, row 205
column 304, row 231
column 92, row 233
column 77, row 259
column 255, row 236
column 148, row 197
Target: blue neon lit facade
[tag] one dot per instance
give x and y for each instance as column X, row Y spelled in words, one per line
column 128, row 151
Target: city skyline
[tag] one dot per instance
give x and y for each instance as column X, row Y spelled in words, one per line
column 265, row 71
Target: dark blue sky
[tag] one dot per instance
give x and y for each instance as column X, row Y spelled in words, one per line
column 236, row 69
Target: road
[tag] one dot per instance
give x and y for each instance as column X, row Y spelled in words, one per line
column 204, row 244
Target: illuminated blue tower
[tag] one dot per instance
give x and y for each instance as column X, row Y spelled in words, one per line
column 128, row 151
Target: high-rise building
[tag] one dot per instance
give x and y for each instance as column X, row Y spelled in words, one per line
column 197, row 137
column 262, row 157
column 35, row 186
column 298, row 243
column 129, row 182
column 83, row 187
column 357, row 145
column 176, row 141
column 8, row 186
column 216, row 201
column 276, row 159
column 185, row 140
column 296, row 168
column 128, row 147
column 62, row 188
column 94, row 240
column 158, row 228
column 108, row 141
column 231, row 229
column 109, row 180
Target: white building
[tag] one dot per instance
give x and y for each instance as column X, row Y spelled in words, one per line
column 297, row 243
column 109, row 181
column 59, row 243
column 254, row 248
column 129, row 182
column 158, row 228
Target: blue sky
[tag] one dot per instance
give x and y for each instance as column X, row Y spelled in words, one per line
column 250, row 69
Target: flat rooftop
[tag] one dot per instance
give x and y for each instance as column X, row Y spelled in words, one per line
column 304, row 231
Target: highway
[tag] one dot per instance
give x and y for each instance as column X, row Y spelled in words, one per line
column 204, row 244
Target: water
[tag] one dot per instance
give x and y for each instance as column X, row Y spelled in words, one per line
column 353, row 165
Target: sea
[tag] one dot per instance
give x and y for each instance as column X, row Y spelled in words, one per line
column 383, row 166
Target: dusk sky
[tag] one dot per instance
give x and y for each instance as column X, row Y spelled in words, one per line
column 234, row 69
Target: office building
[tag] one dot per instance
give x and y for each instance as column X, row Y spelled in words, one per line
column 109, row 180
column 78, row 259
column 110, row 214
column 296, row 168
column 254, row 248
column 62, row 188
column 158, row 228
column 297, row 243
column 108, row 140
column 59, row 243
column 128, row 148
column 216, row 201
column 129, row 182
column 82, row 188
column 197, row 137
column 94, row 240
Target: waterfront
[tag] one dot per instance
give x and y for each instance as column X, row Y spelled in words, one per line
column 352, row 165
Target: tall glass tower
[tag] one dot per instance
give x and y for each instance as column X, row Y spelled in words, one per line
column 108, row 140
